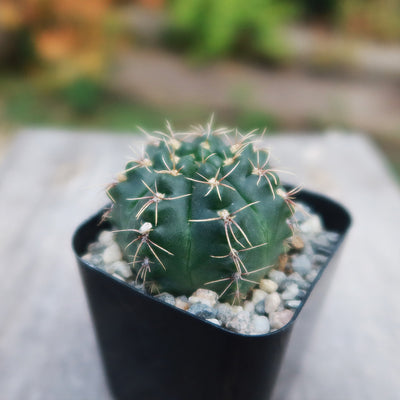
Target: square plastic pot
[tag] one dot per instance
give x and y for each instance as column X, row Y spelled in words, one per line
column 154, row 351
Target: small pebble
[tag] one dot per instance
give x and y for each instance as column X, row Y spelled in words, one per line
column 236, row 309
column 94, row 259
column 118, row 277
column 121, row 268
column 272, row 302
column 320, row 241
column 204, row 296
column 312, row 225
column 96, row 248
column 240, row 322
column 166, row 298
column 106, row 238
column 333, row 237
column 259, row 325
column 301, row 264
column 297, row 242
column 258, row 295
column 138, row 286
column 268, row 285
column 223, row 312
column 112, row 253
column 291, row 292
column 301, row 294
column 182, row 302
column 202, row 311
column 87, row 257
column 296, row 278
column 322, row 244
column 319, row 259
column 249, row 306
column 214, row 321
column 310, row 277
column 308, row 250
column 292, row 303
column 277, row 276
column 279, row 319
column 260, row 307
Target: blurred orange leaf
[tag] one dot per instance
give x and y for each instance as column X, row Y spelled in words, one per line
column 56, row 44
column 10, row 16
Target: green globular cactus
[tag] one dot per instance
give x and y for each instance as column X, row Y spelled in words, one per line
column 200, row 211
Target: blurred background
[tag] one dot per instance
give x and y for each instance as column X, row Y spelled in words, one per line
column 113, row 65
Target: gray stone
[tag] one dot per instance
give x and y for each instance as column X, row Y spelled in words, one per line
column 295, row 277
column 310, row 277
column 277, row 276
column 312, row 224
column 292, row 303
column 301, row 294
column 259, row 325
column 308, row 250
column 319, row 259
column 291, row 292
column 240, row 322
column 321, row 241
column 322, row 244
column 301, row 264
column 202, row 311
column 333, row 237
column 166, row 298
column 260, row 307
column 223, row 312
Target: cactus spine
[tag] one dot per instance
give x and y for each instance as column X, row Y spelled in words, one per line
column 197, row 211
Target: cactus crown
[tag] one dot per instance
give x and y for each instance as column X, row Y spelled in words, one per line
column 199, row 210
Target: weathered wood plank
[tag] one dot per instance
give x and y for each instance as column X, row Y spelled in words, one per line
column 51, row 180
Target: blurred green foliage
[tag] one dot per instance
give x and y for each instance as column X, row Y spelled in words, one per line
column 83, row 94
column 25, row 102
column 210, row 29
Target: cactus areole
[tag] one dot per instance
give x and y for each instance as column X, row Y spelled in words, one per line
column 201, row 210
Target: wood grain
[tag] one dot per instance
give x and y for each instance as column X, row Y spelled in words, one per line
column 51, row 180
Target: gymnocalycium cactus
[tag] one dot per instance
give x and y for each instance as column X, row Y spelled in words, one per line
column 200, row 210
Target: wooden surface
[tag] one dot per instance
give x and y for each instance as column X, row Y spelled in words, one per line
column 51, row 180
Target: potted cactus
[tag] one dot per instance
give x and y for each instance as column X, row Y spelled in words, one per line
column 195, row 212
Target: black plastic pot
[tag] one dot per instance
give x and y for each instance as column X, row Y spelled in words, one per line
column 154, row 351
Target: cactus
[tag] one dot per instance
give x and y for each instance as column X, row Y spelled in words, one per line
column 196, row 211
